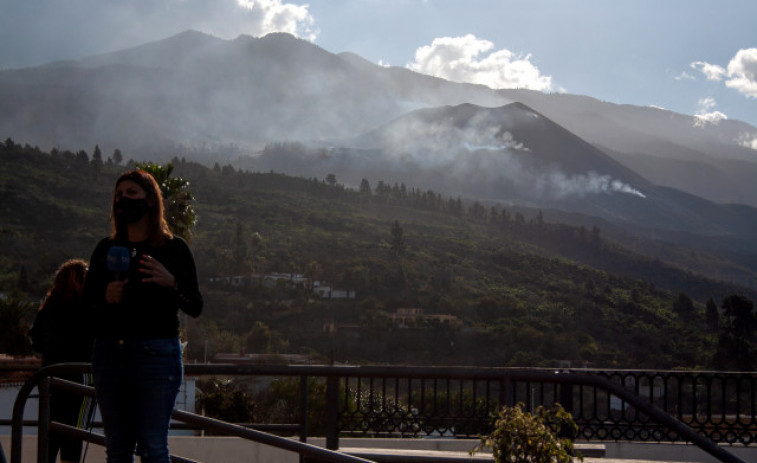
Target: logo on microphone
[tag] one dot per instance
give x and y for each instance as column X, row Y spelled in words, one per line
column 118, row 261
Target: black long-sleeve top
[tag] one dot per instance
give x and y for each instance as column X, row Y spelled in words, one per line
column 148, row 310
column 62, row 332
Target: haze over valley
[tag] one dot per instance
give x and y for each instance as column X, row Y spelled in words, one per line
column 284, row 104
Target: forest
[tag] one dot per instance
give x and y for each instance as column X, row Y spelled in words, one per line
column 516, row 287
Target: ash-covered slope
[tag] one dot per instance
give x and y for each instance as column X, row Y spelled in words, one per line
column 515, row 155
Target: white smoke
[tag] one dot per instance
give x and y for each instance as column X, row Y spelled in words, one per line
column 559, row 185
column 491, row 142
column 432, row 145
column 483, row 154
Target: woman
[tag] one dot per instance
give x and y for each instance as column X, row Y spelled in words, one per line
column 137, row 356
column 61, row 333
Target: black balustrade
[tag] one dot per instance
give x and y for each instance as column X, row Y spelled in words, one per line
column 702, row 407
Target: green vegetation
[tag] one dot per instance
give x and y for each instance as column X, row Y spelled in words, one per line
column 522, row 437
column 526, row 292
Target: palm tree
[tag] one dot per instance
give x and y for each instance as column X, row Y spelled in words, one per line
column 177, row 199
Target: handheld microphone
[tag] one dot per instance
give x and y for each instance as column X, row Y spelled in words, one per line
column 118, row 261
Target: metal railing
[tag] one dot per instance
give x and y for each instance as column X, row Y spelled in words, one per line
column 44, row 380
column 703, row 408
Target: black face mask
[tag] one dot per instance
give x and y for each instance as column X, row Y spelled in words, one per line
column 130, row 210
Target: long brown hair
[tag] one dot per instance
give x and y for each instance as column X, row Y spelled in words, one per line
column 68, row 283
column 158, row 227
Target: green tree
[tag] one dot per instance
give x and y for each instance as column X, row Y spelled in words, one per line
column 281, row 403
column 117, row 156
column 177, row 198
column 365, row 188
column 684, row 305
column 82, row 158
column 259, row 339
column 712, row 315
column 255, row 240
column 14, row 315
column 736, row 333
column 226, row 400
column 97, row 158
column 398, row 239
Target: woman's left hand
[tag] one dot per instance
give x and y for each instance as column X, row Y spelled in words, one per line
column 156, row 273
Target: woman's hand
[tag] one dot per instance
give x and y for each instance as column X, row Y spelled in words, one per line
column 114, row 292
column 156, row 273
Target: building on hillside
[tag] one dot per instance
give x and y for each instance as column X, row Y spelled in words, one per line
column 271, row 280
column 415, row 317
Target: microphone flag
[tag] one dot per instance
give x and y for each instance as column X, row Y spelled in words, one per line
column 118, row 261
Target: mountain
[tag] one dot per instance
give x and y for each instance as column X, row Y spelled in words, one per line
column 515, row 155
column 281, row 103
column 196, row 91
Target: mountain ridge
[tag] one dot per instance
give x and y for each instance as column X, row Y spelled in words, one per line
column 199, row 90
column 196, row 95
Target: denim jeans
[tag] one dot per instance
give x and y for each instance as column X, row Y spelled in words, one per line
column 137, row 382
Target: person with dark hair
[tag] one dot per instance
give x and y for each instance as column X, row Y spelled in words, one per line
column 137, row 358
column 61, row 332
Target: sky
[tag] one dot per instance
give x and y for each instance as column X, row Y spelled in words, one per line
column 695, row 57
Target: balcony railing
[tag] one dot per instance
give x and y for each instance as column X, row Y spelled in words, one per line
column 703, row 408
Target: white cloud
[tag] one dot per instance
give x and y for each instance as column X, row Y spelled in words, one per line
column 459, row 59
column 742, row 72
column 275, row 16
column 79, row 28
column 704, row 116
column 748, row 140
column 710, row 71
column 705, row 104
column 740, row 75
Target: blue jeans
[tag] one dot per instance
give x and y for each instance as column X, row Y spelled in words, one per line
column 137, row 382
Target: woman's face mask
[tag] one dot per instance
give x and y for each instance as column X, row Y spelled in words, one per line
column 130, row 210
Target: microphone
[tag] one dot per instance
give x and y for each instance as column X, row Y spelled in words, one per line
column 118, row 261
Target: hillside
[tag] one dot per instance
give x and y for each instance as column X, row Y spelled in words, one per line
column 196, row 91
column 526, row 291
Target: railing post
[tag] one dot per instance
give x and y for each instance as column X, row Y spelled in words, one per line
column 332, row 412
column 506, row 396
column 43, row 430
column 304, row 412
column 305, row 408
column 566, row 400
column 566, row 396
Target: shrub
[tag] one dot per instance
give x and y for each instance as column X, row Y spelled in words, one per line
column 522, row 437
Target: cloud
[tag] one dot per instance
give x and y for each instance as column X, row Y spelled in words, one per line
column 704, row 116
column 460, row 59
column 748, row 140
column 742, row 72
column 740, row 75
column 710, row 71
column 37, row 32
column 275, row 16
